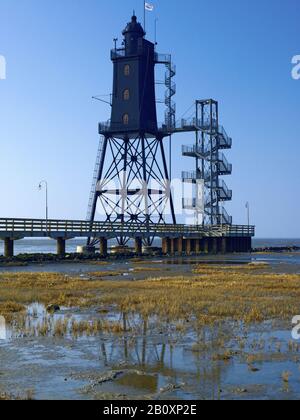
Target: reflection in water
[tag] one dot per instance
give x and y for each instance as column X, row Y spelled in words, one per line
column 154, row 358
column 163, row 358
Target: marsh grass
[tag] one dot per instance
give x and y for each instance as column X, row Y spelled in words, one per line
column 13, row 264
column 141, row 261
column 103, row 274
column 8, row 309
column 6, row 397
column 46, row 288
column 286, row 376
column 243, row 268
column 60, row 326
column 147, row 269
column 100, row 263
column 28, row 396
column 213, row 294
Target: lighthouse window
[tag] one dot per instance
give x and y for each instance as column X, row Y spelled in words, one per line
column 127, row 70
column 126, row 95
column 125, row 119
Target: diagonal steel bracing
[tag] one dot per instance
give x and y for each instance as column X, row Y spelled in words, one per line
column 133, row 186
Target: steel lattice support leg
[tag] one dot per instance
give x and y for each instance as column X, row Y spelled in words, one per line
column 133, row 185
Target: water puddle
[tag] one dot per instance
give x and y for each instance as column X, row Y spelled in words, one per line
column 100, row 353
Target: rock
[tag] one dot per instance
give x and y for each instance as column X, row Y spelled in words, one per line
column 171, row 387
column 107, row 377
column 53, row 308
column 253, row 369
column 241, row 391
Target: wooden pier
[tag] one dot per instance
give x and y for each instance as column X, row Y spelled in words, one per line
column 176, row 239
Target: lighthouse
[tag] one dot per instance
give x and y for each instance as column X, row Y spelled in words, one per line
column 133, row 98
column 131, row 184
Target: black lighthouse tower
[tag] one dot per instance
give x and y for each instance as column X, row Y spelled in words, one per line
column 133, row 104
column 131, row 183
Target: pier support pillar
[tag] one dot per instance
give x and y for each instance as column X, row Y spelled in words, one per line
column 234, row 244
column 198, row 246
column 173, row 245
column 206, row 245
column 224, row 245
column 103, row 247
column 139, row 246
column 243, row 245
column 229, row 246
column 180, row 246
column 8, row 248
column 166, row 246
column 249, row 244
column 188, row 246
column 202, row 245
column 61, row 247
column 240, row 245
column 214, row 249
column 237, row 245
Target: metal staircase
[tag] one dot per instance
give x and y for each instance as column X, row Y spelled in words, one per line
column 95, row 180
column 220, row 214
column 224, row 168
column 224, row 193
column 169, row 125
column 170, row 114
column 211, row 163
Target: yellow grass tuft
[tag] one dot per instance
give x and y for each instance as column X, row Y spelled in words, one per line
column 211, row 295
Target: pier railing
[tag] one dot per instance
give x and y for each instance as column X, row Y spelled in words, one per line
column 79, row 228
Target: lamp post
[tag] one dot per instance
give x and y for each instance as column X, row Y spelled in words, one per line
column 248, row 213
column 155, row 32
column 45, row 183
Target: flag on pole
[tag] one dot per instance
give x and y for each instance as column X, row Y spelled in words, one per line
column 149, row 7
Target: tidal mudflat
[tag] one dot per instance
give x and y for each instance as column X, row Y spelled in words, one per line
column 159, row 329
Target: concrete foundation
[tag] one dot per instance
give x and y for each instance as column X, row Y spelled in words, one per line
column 87, row 250
column 61, row 247
column 8, row 248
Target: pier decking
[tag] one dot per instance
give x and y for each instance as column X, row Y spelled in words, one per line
column 175, row 238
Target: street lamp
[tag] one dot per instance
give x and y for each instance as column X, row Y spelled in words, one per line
column 45, row 183
column 248, row 213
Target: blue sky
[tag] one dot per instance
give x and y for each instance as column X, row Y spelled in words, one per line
column 236, row 51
